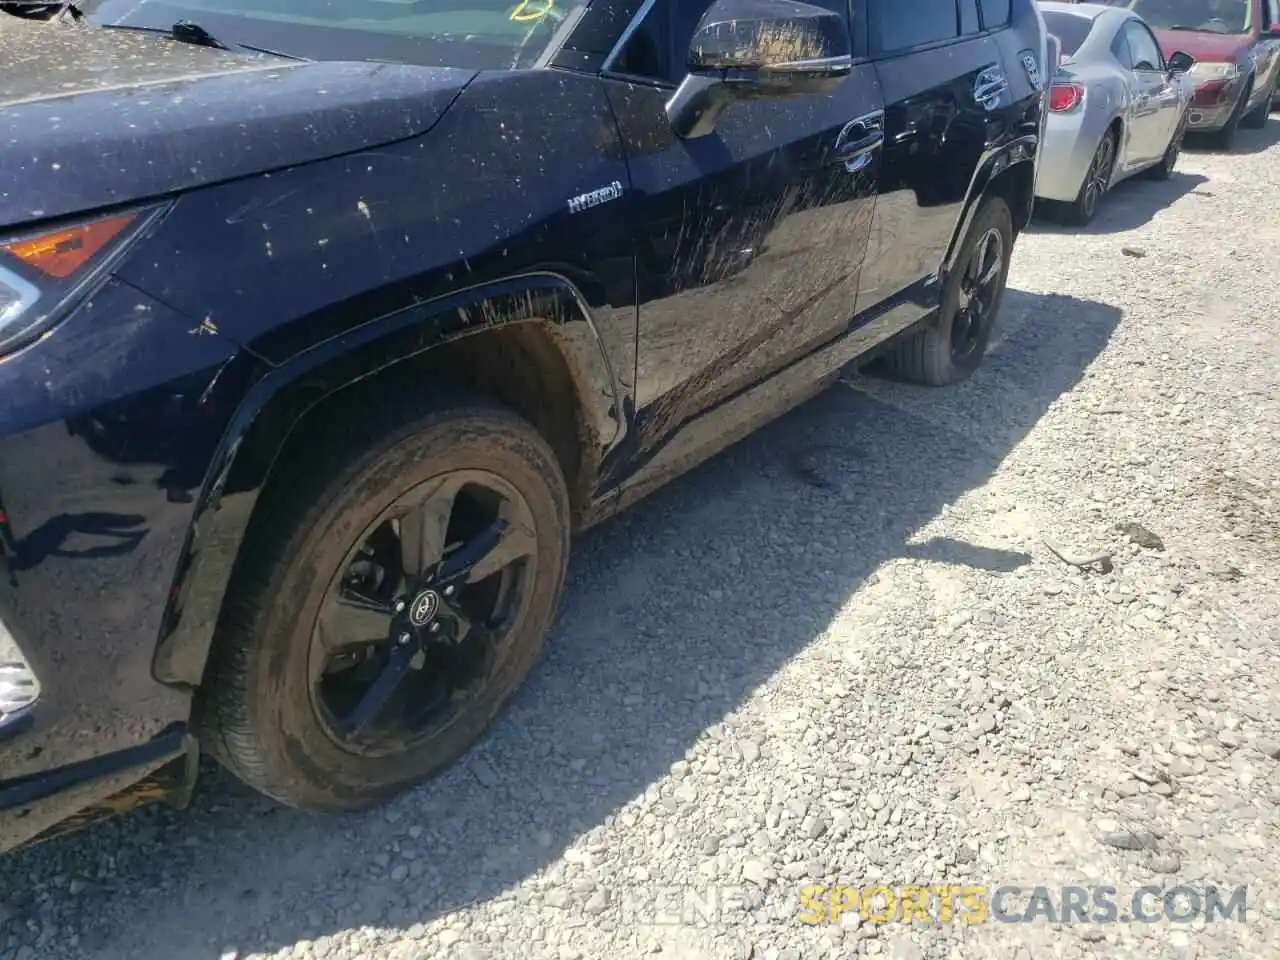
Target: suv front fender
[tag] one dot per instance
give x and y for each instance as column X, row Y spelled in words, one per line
column 276, row 404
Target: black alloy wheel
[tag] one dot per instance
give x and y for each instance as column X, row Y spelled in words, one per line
column 395, row 589
column 981, row 284
column 421, row 614
column 952, row 346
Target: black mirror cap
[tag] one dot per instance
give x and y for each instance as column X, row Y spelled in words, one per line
column 1181, row 62
column 770, row 36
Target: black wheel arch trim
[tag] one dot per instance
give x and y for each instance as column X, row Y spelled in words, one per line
column 278, row 401
column 1020, row 150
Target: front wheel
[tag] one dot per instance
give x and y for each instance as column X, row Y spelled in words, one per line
column 951, row 349
column 395, row 594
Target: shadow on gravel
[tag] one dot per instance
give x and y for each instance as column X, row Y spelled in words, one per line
column 1247, row 141
column 961, row 554
column 675, row 613
column 1126, row 206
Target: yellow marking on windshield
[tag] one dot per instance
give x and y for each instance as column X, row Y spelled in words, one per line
column 522, row 13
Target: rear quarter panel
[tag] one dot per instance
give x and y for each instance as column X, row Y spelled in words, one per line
column 1023, row 47
column 1071, row 138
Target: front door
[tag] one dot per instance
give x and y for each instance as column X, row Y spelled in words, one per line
column 749, row 240
column 1153, row 114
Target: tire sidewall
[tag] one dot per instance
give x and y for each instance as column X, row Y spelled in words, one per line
column 994, row 212
column 1257, row 118
column 1080, row 215
column 280, row 705
column 1169, row 161
column 1227, row 135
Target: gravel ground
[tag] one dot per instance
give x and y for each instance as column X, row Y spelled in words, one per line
column 843, row 653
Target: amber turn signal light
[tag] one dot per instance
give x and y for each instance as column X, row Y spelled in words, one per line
column 61, row 253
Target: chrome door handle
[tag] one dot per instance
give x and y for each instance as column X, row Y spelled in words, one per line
column 988, row 87
column 858, row 140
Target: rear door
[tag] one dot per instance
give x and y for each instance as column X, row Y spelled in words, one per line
column 943, row 82
column 749, row 240
column 1154, row 110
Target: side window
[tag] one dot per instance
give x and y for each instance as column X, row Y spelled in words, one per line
column 657, row 49
column 995, row 13
column 1120, row 49
column 1270, row 13
column 896, row 25
column 969, row 22
column 648, row 52
column 1143, row 47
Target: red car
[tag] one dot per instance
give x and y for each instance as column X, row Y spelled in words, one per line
column 1236, row 45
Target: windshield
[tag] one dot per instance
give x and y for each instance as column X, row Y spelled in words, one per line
column 1211, row 16
column 1069, row 28
column 474, row 34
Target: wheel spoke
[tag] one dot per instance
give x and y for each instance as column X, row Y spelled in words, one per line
column 1102, row 166
column 496, row 547
column 379, row 693
column 969, row 283
column 991, row 272
column 379, row 677
column 424, row 528
column 353, row 618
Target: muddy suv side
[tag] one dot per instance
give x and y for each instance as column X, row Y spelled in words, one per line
column 340, row 393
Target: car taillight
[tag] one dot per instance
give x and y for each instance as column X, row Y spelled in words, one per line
column 1065, row 96
column 1212, row 92
column 43, row 271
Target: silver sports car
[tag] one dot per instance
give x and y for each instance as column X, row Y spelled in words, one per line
column 1116, row 106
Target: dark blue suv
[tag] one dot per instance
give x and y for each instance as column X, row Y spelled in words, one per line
column 325, row 326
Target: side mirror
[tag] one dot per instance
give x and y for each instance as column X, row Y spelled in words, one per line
column 758, row 50
column 1181, row 62
column 1274, row 30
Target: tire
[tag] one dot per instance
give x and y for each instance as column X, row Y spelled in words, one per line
column 1097, row 181
column 928, row 357
column 1256, row 119
column 257, row 708
column 1225, row 138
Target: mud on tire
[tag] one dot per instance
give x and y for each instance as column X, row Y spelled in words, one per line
column 930, row 356
column 256, row 708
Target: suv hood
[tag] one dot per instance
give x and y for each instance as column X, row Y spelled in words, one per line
column 1209, row 47
column 91, row 117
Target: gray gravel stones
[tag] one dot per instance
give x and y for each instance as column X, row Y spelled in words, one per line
column 885, row 678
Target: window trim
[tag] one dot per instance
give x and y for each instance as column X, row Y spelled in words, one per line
column 1137, row 24
column 629, row 31
column 873, row 22
column 982, row 19
column 1122, row 42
